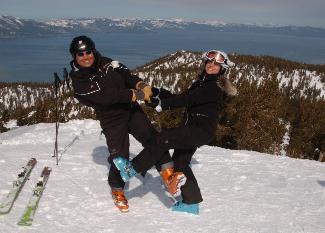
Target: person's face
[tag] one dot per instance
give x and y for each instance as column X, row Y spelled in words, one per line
column 212, row 67
column 85, row 58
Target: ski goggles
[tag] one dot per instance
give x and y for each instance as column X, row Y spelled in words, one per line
column 82, row 54
column 214, row 55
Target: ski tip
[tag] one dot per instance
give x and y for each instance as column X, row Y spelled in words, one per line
column 32, row 162
column 24, row 223
column 46, row 171
column 4, row 213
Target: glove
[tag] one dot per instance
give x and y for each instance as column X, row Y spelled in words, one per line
column 142, row 95
column 143, row 86
column 147, row 93
column 154, row 102
column 148, row 89
column 164, row 94
column 154, row 98
column 155, row 91
column 161, row 92
column 140, row 85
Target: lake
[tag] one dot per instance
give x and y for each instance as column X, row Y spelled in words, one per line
column 36, row 59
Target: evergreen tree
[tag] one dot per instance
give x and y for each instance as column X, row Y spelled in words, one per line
column 5, row 116
column 307, row 135
column 4, row 120
column 251, row 120
column 22, row 118
column 41, row 113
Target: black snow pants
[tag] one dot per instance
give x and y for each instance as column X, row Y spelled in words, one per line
column 184, row 140
column 118, row 142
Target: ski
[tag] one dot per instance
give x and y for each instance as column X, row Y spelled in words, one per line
column 28, row 215
column 17, row 185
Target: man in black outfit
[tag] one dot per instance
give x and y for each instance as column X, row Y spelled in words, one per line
column 108, row 87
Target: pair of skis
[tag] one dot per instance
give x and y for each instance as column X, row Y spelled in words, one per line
column 28, row 215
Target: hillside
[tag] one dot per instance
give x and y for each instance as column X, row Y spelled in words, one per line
column 277, row 99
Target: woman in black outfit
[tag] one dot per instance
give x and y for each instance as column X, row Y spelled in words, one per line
column 203, row 101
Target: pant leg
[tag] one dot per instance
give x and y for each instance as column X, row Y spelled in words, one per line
column 143, row 131
column 190, row 191
column 183, row 137
column 117, row 139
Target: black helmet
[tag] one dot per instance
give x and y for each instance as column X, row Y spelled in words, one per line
column 81, row 43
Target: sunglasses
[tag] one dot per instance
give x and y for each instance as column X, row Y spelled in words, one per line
column 82, row 54
column 212, row 55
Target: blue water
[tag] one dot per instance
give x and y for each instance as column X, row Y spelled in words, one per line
column 36, row 59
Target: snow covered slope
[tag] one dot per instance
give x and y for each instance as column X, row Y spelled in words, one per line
column 243, row 191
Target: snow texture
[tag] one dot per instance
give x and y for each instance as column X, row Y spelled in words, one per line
column 243, row 191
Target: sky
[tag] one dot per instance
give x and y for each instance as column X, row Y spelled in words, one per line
column 287, row 12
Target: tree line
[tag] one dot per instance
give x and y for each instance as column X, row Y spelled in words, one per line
column 267, row 115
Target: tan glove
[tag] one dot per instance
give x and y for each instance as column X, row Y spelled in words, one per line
column 142, row 95
column 148, row 89
column 143, row 86
column 140, row 85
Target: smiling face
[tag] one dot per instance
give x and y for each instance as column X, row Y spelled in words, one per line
column 87, row 60
column 212, row 67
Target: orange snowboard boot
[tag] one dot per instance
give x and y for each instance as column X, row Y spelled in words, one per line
column 173, row 181
column 120, row 200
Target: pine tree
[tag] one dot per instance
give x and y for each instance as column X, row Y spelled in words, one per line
column 4, row 120
column 22, row 116
column 307, row 135
column 251, row 120
column 5, row 116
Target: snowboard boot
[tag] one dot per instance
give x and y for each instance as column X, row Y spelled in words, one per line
column 120, row 200
column 182, row 207
column 125, row 167
column 173, row 181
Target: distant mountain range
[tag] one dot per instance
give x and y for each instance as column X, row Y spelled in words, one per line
column 11, row 27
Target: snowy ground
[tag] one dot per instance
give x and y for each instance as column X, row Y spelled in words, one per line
column 243, row 191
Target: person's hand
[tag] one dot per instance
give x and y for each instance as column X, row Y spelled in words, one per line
column 142, row 86
column 154, row 102
column 148, row 89
column 142, row 95
column 154, row 98
column 147, row 93
column 155, row 91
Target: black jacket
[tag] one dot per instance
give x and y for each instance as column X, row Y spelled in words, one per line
column 105, row 90
column 203, row 102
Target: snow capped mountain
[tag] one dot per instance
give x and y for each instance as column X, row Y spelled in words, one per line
column 8, row 20
column 11, row 27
